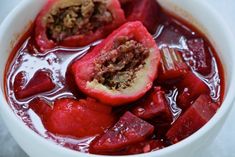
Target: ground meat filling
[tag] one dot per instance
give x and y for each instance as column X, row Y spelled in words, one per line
column 77, row 19
column 117, row 69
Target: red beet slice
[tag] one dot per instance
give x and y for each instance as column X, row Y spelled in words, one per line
column 161, row 128
column 144, row 147
column 193, row 119
column 145, row 11
column 172, row 64
column 77, row 118
column 155, row 105
column 200, row 55
column 128, row 130
column 172, row 34
column 191, row 87
column 41, row 82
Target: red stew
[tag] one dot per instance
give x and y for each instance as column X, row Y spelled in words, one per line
column 133, row 92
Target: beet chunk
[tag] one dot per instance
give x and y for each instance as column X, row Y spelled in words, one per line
column 172, row 65
column 128, row 130
column 144, row 147
column 193, row 119
column 145, row 11
column 39, row 83
column 200, row 55
column 191, row 87
column 155, row 105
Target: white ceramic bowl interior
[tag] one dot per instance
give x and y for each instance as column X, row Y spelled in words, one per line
column 196, row 12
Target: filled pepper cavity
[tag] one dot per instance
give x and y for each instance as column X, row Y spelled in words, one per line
column 78, row 19
column 117, row 69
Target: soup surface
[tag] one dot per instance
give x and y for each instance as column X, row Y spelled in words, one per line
column 43, row 88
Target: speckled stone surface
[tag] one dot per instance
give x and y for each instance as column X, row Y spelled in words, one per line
column 223, row 146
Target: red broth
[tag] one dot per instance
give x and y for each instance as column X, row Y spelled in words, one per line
column 171, row 32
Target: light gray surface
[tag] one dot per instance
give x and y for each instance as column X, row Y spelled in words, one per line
column 223, row 145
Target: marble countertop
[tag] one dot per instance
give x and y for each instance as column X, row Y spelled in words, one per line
column 223, row 146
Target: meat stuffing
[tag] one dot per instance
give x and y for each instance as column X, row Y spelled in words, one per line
column 77, row 19
column 117, row 69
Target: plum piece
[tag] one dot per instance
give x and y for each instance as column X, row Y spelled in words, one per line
column 155, row 105
column 190, row 88
column 128, row 130
column 193, row 119
column 172, row 64
column 200, row 55
column 39, row 83
column 41, row 107
column 145, row 11
column 70, row 117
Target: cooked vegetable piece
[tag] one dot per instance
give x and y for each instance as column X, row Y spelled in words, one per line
column 39, row 83
column 146, row 11
column 76, row 22
column 75, row 118
column 172, row 64
column 190, row 88
column 144, row 147
column 155, row 105
column 200, row 55
column 128, row 130
column 161, row 128
column 193, row 119
column 122, row 68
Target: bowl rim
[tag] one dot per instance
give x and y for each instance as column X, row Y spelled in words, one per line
column 225, row 107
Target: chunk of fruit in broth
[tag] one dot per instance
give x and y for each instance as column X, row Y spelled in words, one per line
column 80, row 119
column 39, row 83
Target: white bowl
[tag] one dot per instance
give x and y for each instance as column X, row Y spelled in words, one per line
column 198, row 13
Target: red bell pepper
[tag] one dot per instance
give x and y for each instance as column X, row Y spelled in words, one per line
column 122, row 68
column 128, row 130
column 146, row 11
column 74, row 118
column 76, row 23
